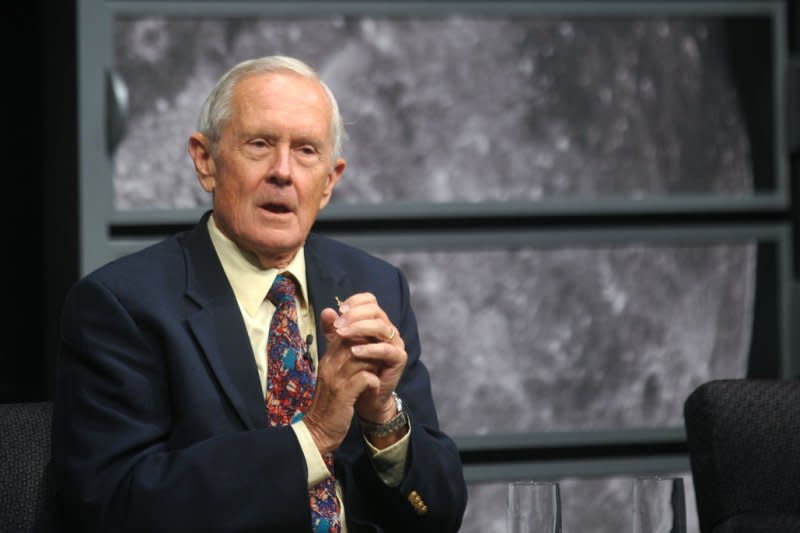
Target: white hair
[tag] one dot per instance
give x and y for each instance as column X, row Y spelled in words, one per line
column 216, row 110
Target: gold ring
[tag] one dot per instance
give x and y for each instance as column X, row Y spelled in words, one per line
column 392, row 336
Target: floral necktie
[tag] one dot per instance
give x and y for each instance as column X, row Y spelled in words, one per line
column 290, row 388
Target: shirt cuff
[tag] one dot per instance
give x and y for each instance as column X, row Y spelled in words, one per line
column 390, row 462
column 315, row 464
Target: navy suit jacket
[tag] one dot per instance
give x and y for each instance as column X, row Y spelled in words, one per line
column 160, row 423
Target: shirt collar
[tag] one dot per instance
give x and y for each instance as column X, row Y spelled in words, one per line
column 249, row 281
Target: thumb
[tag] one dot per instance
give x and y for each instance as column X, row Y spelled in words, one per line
column 328, row 316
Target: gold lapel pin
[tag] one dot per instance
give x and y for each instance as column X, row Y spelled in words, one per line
column 338, row 301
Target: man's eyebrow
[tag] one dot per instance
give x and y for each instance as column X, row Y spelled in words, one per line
column 249, row 133
column 313, row 140
column 296, row 139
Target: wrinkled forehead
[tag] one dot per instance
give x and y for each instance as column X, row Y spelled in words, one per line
column 282, row 92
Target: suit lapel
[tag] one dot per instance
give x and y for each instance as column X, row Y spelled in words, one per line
column 219, row 330
column 326, row 281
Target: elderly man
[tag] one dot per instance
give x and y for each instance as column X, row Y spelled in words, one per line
column 247, row 374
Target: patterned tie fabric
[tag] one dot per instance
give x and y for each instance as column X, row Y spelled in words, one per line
column 290, row 388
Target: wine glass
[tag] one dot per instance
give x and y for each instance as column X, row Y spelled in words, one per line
column 659, row 505
column 534, row 507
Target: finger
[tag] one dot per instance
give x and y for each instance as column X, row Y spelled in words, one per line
column 340, row 361
column 380, row 354
column 356, row 365
column 356, row 300
column 327, row 317
column 369, row 311
column 363, row 381
column 375, row 329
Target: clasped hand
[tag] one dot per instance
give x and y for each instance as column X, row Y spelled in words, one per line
column 364, row 360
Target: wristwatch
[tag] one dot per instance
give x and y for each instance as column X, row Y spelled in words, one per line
column 398, row 421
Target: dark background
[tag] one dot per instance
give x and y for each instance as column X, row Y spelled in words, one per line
column 40, row 196
column 41, row 179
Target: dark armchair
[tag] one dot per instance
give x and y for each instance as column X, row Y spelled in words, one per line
column 27, row 500
column 744, row 447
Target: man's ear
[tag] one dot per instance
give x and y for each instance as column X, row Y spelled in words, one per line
column 204, row 167
column 332, row 179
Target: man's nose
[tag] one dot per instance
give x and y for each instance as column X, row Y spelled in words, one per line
column 281, row 169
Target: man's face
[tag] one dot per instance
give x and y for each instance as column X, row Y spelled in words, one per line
column 272, row 171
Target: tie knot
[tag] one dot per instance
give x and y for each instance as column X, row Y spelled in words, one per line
column 283, row 290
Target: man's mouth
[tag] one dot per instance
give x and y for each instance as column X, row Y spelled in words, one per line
column 276, row 208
